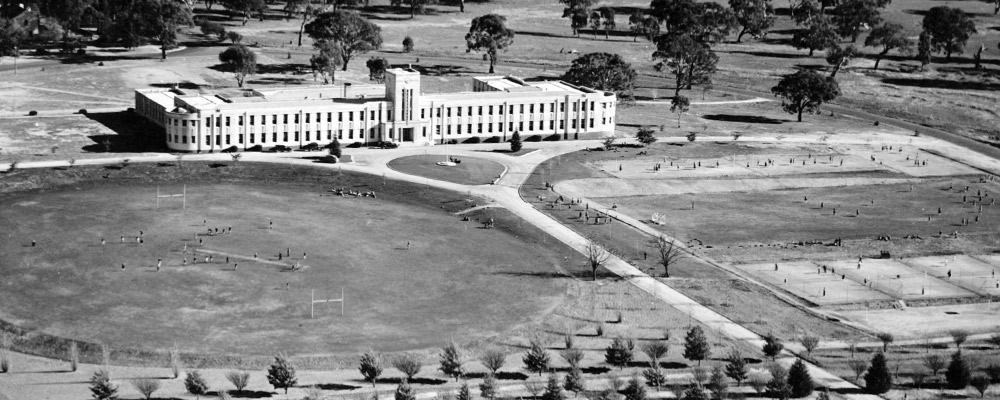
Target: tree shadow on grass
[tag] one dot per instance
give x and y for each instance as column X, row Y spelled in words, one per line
column 768, row 54
column 333, row 386
column 943, row 84
column 249, row 394
column 751, row 119
column 502, row 375
column 134, row 134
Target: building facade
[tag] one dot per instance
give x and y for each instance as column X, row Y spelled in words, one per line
column 394, row 112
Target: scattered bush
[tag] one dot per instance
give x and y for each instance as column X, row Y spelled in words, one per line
column 81, row 52
column 175, row 362
column 451, row 361
column 209, row 28
column 32, row 113
column 452, row 141
column 408, row 364
column 101, row 387
column 334, row 148
column 329, row 159
column 555, row 137
column 493, row 359
column 41, row 51
column 407, row 44
column 82, row 111
column 619, row 353
column 536, row 359
column 281, row 373
column 239, row 379
column 370, row 367
column 384, row 145
column 230, row 149
column 572, row 357
column 256, row 147
column 492, row 139
column 772, row 346
column 472, row 140
column 515, row 144
column 312, row 146
column 195, row 384
column 4, row 362
column 74, row 356
column 958, row 373
column 533, row 138
column 355, row 145
column 146, row 386
column 981, row 383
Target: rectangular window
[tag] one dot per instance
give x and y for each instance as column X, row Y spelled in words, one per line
column 227, row 121
column 251, row 119
column 491, row 110
column 274, row 136
column 361, row 133
column 562, row 107
column 185, row 139
column 208, row 122
column 285, row 137
column 591, row 121
column 284, row 120
column 470, row 111
column 425, row 131
column 227, row 139
column 448, row 113
column 574, row 107
column 437, row 113
column 449, row 129
column 531, row 108
column 184, row 123
column 373, row 115
column 361, row 115
column 511, row 126
column 500, row 127
column 512, row 109
column 274, row 119
column 522, row 109
column 218, row 140
column 489, row 128
column 307, row 136
column 574, row 124
column 552, row 124
column 501, row 109
column 340, row 117
column 480, row 110
column 531, row 125
column 470, row 129
column 318, row 119
column 350, row 134
column 296, row 136
column 592, row 106
column 251, row 138
column 340, row 134
column 541, row 108
column 423, row 113
column 520, row 126
column 263, row 138
column 240, row 138
column 208, row 140
column 459, row 111
column 297, row 118
column 307, row 118
column 479, row 128
column 459, row 129
column 350, row 116
column 329, row 134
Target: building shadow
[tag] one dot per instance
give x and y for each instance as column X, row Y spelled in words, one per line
column 133, row 134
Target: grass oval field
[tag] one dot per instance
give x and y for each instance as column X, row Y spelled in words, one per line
column 471, row 171
column 414, row 274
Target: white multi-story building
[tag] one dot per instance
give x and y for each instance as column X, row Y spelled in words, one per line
column 395, row 112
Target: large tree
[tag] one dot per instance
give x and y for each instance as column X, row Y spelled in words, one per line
column 805, row 90
column 690, row 61
column 798, row 378
column 142, row 20
column 949, row 29
column 754, row 16
column 852, row 16
column 712, row 22
column 668, row 251
column 245, row 8
column 818, row 35
column 308, row 11
column 281, row 373
column 240, row 60
column 603, row 71
column 415, row 6
column 677, row 16
column 804, row 11
column 577, row 10
column 489, row 34
column 354, row 34
column 643, row 25
column 838, row 57
column 878, row 380
column 325, row 63
column 889, row 37
column 696, row 346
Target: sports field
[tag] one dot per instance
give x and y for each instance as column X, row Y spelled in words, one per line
column 412, row 273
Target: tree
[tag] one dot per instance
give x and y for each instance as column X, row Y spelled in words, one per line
column 281, row 373
column 924, row 50
column 603, row 71
column 635, row 389
column 886, row 339
column 858, row 366
column 853, row 15
column 572, row 357
column 574, row 10
column 810, row 343
column 240, row 60
column 619, row 353
column 798, row 378
column 754, row 16
column 958, row 336
column 643, row 25
column 195, row 384
column 596, row 256
column 463, row 392
column 234, row 37
column 804, row 11
column 239, row 379
column 645, row 135
column 772, row 346
column 326, row 62
column 654, row 377
column 370, row 366
column 376, row 69
column 680, row 106
column 536, row 359
column 308, row 10
column 488, row 388
column 981, row 383
column 696, row 347
column 655, row 350
column 688, row 60
column 778, row 386
column 489, row 34
column 818, row 35
column 404, row 391
column 839, row 57
column 407, row 44
column 958, row 372
column 152, row 19
column 595, row 21
column 515, row 142
column 934, row 363
column 209, row 28
column 354, row 35
column 101, row 387
column 949, row 29
column 451, row 361
column 668, row 251
column 717, row 384
column 493, row 359
column 146, row 386
column 736, row 367
column 805, row 90
column 553, row 390
column 890, row 37
column 695, row 393
column 335, row 150
column 712, row 23
column 607, row 19
column 878, row 380
column 574, row 381
column 245, row 8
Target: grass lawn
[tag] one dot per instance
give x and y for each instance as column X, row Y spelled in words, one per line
column 470, row 171
column 413, row 274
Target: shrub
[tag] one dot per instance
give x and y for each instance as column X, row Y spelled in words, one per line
column 472, row 140
column 312, row 146
column 370, row 367
column 101, row 387
column 772, row 346
column 82, row 111
column 958, row 373
column 230, row 149
column 493, row 359
column 408, row 364
column 515, row 144
column 4, row 361
column 195, row 384
column 239, row 379
column 555, row 137
column 654, row 377
column 981, row 383
column 329, row 159
column 81, row 52
column 534, row 138
column 32, row 113
column 878, row 380
column 635, row 390
column 718, row 385
column 492, row 139
column 645, row 135
column 619, row 353
column 536, row 359
column 778, row 385
column 488, row 389
column 574, row 381
column 810, row 343
column 452, row 141
column 572, row 357
column 334, row 148
column 407, row 44
column 692, row 136
column 993, row 372
column 355, row 145
column 255, row 148
column 175, row 363
column 553, row 390
column 146, row 386
column 568, row 340
column 451, row 361
column 209, row 28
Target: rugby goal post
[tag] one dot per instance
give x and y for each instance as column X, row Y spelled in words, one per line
column 182, row 195
column 313, row 301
